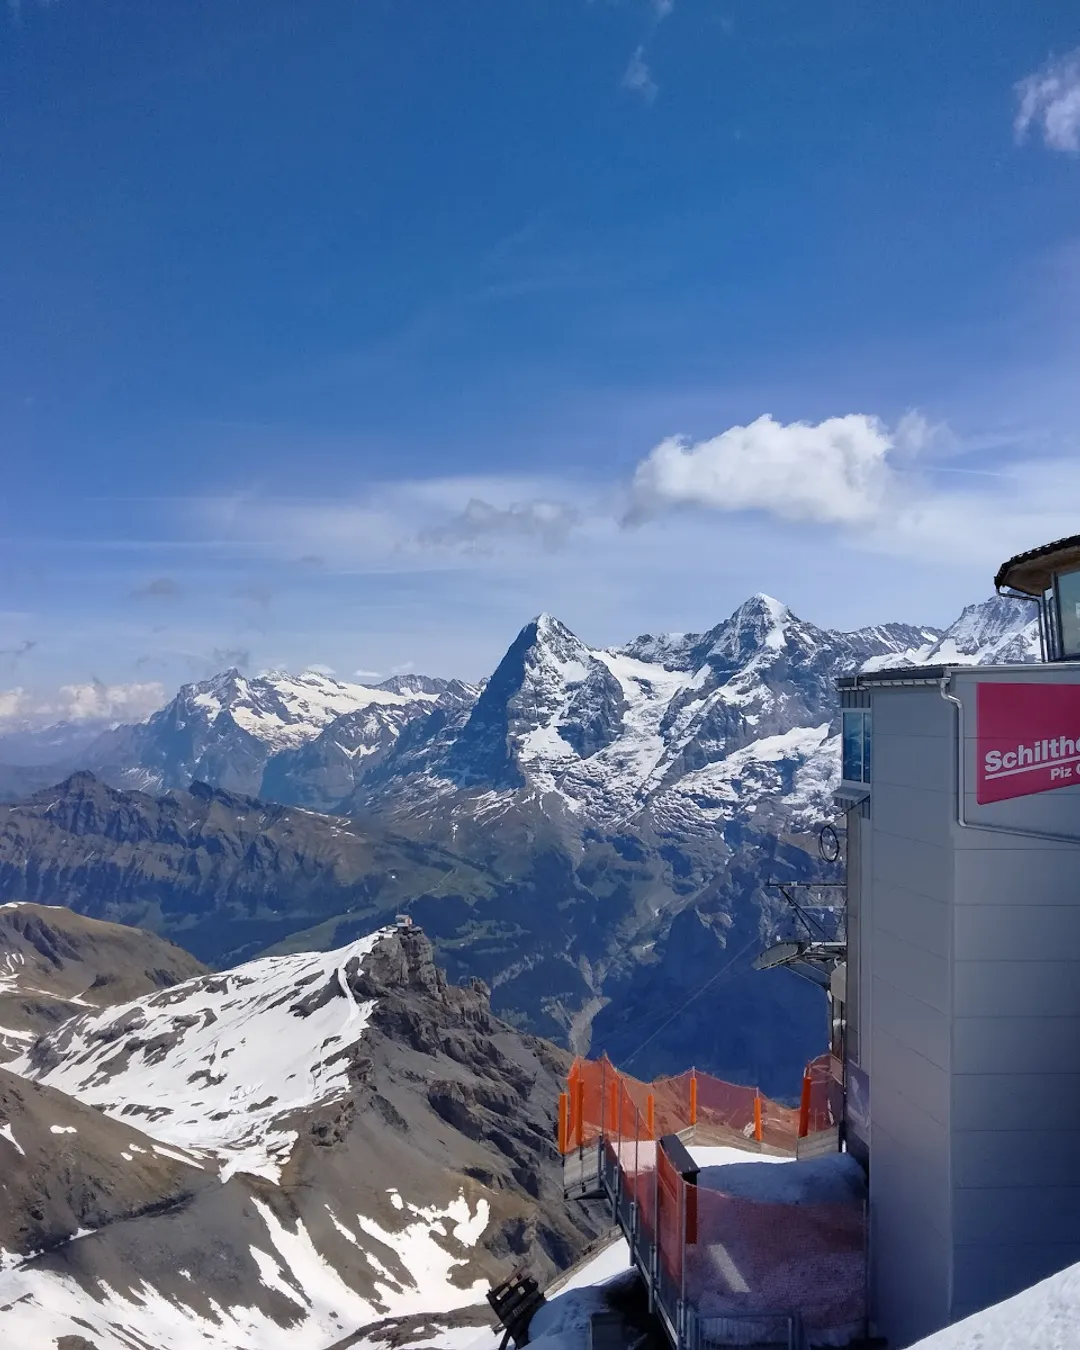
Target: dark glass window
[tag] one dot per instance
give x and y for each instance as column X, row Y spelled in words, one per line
column 855, row 741
column 1068, row 605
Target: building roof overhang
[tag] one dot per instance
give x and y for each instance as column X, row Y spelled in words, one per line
column 1030, row 573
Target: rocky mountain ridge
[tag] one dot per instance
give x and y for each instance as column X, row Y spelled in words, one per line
column 276, row 1156
column 54, row 962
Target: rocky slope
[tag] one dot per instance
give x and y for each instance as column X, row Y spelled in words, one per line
column 223, row 874
column 277, row 1156
column 54, row 962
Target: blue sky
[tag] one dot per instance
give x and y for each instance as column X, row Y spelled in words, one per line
column 356, row 333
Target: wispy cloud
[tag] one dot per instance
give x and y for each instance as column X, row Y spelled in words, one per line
column 160, row 588
column 1049, row 100
column 223, row 658
column 480, row 523
column 638, row 78
column 11, row 656
column 90, row 701
column 256, row 593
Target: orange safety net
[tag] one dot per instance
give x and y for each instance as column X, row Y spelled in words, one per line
column 820, row 1106
column 752, row 1256
column 600, row 1101
column 726, row 1255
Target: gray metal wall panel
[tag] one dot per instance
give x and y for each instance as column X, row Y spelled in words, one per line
column 918, row 1025
column 1021, row 1157
column 1011, row 1099
column 915, row 1075
column 910, row 1280
column 921, row 973
column 994, row 869
column 1049, row 1045
column 982, row 1267
column 992, row 989
column 907, row 979
column 912, row 761
column 1006, row 932
column 913, row 812
column 1016, row 1215
column 913, row 918
column 904, row 861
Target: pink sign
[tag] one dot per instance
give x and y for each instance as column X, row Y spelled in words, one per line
column 1028, row 739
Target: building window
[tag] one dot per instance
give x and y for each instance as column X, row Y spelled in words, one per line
column 856, row 746
column 1068, row 613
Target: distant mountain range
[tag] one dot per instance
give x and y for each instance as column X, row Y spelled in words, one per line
column 583, row 830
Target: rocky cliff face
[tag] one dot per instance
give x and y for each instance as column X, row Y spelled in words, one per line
column 276, row 1156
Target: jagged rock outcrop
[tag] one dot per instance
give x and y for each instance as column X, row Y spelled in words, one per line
column 303, row 1144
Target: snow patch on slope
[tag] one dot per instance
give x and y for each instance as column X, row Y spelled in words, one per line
column 212, row 1065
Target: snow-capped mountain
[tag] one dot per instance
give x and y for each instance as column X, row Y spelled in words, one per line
column 552, row 830
column 281, row 1155
column 605, row 734
column 999, row 631
column 225, row 730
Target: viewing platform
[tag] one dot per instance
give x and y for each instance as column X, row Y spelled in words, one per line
column 733, row 1252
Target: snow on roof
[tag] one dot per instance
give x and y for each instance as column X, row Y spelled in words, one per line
column 1044, row 1317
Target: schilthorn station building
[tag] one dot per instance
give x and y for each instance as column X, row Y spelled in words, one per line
column 961, row 1001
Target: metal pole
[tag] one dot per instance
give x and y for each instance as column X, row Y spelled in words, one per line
column 682, row 1264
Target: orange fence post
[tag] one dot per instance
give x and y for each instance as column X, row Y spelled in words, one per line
column 650, row 1115
column 564, row 1113
column 757, row 1116
column 693, row 1096
column 579, row 1112
column 804, row 1108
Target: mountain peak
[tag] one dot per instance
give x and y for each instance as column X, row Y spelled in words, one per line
column 548, row 626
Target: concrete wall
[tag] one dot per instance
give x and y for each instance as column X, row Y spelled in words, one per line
column 906, row 967
column 1016, row 1034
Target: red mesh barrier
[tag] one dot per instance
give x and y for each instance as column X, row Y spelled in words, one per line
column 732, row 1255
column 779, row 1124
column 821, row 1088
column 753, row 1257
column 669, row 1206
column 725, row 1105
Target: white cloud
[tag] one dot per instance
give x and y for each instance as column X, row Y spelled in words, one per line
column 319, row 669
column 837, row 471
column 638, row 78
column 22, row 709
column 1050, row 101
column 367, row 674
